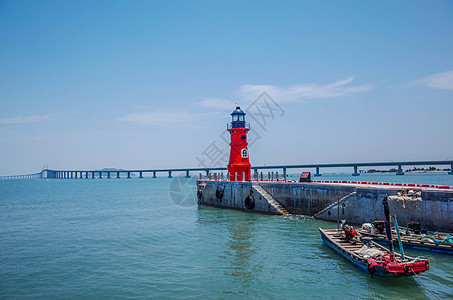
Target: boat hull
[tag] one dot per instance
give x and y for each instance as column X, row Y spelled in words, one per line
column 379, row 271
column 426, row 246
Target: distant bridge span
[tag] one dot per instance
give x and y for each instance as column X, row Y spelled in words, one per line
column 74, row 174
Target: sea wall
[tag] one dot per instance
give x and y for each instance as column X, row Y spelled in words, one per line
column 434, row 209
column 234, row 196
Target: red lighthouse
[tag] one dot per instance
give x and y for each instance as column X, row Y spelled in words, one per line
column 239, row 154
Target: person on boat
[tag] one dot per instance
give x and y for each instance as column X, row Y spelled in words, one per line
column 349, row 232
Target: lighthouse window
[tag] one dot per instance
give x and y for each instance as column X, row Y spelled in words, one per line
column 241, row 118
column 244, row 153
column 235, row 118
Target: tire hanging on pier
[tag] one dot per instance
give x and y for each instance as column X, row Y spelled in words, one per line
column 199, row 193
column 219, row 193
column 249, row 202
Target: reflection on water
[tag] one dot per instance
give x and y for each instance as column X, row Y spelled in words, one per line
column 240, row 249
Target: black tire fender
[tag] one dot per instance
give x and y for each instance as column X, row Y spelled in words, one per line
column 249, row 202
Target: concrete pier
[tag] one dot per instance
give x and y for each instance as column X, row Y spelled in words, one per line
column 359, row 203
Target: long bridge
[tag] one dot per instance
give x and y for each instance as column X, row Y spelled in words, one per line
column 75, row 174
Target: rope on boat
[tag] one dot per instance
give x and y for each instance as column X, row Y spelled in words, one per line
column 424, row 284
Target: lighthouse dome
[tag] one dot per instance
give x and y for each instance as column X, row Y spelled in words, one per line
column 238, row 111
column 238, row 118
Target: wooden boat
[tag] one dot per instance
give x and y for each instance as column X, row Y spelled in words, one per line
column 373, row 257
column 411, row 241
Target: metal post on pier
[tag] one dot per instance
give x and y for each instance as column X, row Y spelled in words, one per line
column 317, row 172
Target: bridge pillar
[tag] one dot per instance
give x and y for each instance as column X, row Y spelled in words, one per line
column 128, row 174
column 319, row 174
column 117, row 174
column 187, row 174
column 72, row 175
column 355, row 172
column 100, row 175
column 451, row 170
column 108, row 175
column 169, row 174
column 75, row 175
column 154, row 174
column 284, row 174
column 207, row 173
column 141, row 175
column 92, row 175
column 86, row 175
column 255, row 173
column 400, row 170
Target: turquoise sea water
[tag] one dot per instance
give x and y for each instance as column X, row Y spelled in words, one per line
column 127, row 238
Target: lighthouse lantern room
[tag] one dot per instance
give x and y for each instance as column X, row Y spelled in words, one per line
column 239, row 165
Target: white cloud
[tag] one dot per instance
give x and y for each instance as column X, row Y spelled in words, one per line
column 442, row 81
column 24, row 120
column 158, row 118
column 216, row 103
column 303, row 91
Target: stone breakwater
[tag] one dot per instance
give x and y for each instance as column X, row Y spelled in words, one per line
column 358, row 203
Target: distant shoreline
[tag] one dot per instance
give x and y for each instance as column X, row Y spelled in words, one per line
column 416, row 171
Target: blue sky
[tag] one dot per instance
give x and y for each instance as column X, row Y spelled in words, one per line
column 151, row 84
